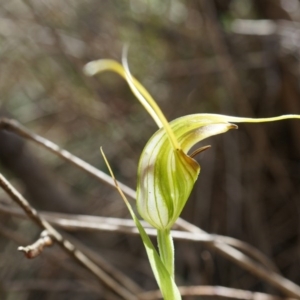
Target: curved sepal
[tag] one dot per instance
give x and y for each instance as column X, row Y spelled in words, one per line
column 166, row 176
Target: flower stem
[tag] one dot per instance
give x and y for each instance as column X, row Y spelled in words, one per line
column 166, row 249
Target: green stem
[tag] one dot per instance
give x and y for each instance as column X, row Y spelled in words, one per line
column 166, row 249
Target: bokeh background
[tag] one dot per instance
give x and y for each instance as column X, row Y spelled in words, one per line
column 236, row 57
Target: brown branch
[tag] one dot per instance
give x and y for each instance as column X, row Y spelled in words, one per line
column 285, row 285
column 17, row 128
column 51, row 257
column 69, row 248
column 47, row 285
column 37, row 247
column 214, row 291
column 131, row 285
column 278, row 281
column 127, row 226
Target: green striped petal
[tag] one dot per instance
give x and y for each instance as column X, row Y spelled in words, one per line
column 166, row 175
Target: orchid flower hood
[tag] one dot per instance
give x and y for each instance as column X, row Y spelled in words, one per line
column 166, row 172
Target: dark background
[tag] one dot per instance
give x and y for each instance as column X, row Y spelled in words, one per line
column 193, row 57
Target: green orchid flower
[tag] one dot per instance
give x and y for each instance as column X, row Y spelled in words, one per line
column 167, row 171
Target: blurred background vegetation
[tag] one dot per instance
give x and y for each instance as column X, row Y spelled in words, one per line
column 236, row 57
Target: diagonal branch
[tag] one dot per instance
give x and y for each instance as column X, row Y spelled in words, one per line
column 69, row 248
column 20, row 130
column 127, row 226
column 214, row 291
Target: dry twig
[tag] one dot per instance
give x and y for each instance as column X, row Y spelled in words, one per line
column 278, row 281
column 69, row 248
column 37, row 247
column 127, row 226
column 213, row 291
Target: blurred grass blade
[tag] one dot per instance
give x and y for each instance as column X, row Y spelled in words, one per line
column 164, row 280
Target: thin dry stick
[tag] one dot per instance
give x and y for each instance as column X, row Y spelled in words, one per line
column 51, row 257
column 69, row 248
column 53, row 286
column 127, row 226
column 213, row 291
column 17, row 128
column 35, row 249
column 76, row 222
column 281, row 283
column 130, row 285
